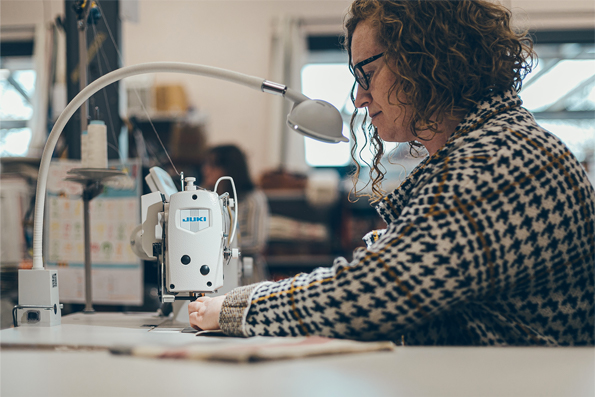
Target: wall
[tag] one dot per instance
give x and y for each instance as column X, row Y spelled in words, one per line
column 237, row 35
column 28, row 12
column 553, row 14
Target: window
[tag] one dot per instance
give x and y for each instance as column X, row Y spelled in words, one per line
column 330, row 81
column 560, row 92
column 17, row 89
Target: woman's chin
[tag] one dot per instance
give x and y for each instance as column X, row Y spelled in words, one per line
column 391, row 137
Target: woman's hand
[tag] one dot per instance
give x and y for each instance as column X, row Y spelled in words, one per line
column 204, row 313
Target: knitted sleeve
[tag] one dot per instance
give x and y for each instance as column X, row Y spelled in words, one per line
column 232, row 316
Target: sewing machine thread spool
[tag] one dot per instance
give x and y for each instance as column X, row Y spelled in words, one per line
column 95, row 155
column 85, row 149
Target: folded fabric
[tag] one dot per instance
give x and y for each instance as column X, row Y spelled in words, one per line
column 262, row 349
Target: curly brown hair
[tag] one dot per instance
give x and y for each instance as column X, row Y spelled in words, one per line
column 446, row 56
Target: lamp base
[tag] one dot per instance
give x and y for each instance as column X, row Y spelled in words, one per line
column 39, row 304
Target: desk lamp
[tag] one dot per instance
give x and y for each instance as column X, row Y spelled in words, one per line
column 38, row 287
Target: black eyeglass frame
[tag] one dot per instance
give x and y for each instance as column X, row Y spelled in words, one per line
column 358, row 72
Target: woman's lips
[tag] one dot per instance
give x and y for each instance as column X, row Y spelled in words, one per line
column 374, row 115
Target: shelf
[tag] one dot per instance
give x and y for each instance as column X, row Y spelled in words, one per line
column 194, row 118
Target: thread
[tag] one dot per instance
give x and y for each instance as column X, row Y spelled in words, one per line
column 85, row 149
column 96, row 145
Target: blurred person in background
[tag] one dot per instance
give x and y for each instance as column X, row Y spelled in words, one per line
column 253, row 214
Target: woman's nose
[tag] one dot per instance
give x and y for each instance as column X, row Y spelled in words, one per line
column 362, row 97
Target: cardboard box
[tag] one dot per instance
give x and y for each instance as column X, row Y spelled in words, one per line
column 171, row 98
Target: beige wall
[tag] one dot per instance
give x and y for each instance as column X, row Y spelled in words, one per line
column 237, row 35
column 27, row 12
column 553, row 14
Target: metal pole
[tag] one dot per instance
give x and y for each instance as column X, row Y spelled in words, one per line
column 87, row 228
column 83, row 69
column 82, row 28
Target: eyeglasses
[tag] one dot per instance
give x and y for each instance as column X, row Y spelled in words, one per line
column 357, row 71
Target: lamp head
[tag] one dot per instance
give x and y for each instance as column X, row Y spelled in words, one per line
column 318, row 120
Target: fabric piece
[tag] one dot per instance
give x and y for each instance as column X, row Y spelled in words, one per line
column 262, row 349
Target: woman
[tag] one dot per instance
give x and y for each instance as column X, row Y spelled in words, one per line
column 489, row 241
column 253, row 216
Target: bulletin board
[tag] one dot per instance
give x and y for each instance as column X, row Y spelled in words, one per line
column 117, row 274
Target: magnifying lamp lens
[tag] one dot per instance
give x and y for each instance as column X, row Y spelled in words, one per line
column 318, row 120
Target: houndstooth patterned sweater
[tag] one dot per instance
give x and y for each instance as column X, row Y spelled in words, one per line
column 488, row 242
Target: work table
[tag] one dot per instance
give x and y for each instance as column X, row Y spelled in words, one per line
column 73, row 359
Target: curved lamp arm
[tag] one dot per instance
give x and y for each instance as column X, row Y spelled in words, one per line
column 305, row 117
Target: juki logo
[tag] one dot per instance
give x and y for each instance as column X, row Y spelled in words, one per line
column 195, row 219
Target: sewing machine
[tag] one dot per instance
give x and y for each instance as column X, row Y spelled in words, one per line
column 191, row 234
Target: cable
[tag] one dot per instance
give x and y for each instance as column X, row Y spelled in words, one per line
column 235, row 198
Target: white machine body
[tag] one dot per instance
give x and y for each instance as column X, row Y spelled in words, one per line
column 195, row 242
column 190, row 234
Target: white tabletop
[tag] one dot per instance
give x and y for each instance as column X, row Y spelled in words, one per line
column 73, row 368
column 105, row 330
